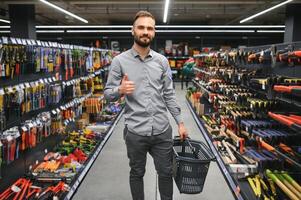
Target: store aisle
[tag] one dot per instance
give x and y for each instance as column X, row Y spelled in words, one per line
column 108, row 177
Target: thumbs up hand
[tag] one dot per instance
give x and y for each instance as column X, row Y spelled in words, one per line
column 126, row 86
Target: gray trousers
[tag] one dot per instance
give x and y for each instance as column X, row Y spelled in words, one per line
column 160, row 148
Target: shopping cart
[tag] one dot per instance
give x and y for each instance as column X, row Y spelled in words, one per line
column 190, row 165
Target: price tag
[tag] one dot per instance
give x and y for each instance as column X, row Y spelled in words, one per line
column 41, row 81
column 46, row 43
column 37, row 83
column 19, row 41
column 46, row 81
column 57, row 110
column 24, row 42
column 17, row 87
column 39, row 42
column 61, row 107
column 22, row 86
column 13, row 40
column 10, row 89
column 2, row 91
column 53, row 78
column 238, row 77
column 24, row 128
column 66, row 123
column 30, row 125
column 53, row 112
column 33, row 42
column 4, row 40
column 28, row 42
column 34, row 123
column 263, row 86
column 50, row 80
column 9, row 138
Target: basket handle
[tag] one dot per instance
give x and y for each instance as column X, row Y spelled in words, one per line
column 212, row 156
column 188, row 142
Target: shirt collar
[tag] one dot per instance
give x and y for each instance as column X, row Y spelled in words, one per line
column 136, row 54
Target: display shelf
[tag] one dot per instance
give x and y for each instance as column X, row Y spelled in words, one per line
column 204, row 90
column 18, row 168
column 202, row 71
column 85, row 170
column 239, row 189
column 178, row 57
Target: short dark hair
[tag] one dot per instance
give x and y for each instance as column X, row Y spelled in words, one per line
column 143, row 13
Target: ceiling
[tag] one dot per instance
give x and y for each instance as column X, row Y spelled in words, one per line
column 118, row 12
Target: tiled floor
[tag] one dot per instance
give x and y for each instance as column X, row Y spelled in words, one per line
column 108, row 177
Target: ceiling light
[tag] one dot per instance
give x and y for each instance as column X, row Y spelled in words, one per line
column 205, row 31
column 166, row 6
column 50, row 31
column 158, row 26
column 265, row 11
column 98, row 31
column 78, row 26
column 5, row 21
column 64, row 11
column 220, row 26
column 270, row 31
column 4, row 31
column 163, row 31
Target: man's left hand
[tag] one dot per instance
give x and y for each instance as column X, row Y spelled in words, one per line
column 182, row 131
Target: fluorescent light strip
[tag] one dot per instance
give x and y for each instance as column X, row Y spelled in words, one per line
column 163, row 31
column 50, row 31
column 166, row 7
column 270, row 31
column 98, row 31
column 159, row 26
column 220, row 26
column 96, row 26
column 205, row 31
column 265, row 11
column 4, row 31
column 5, row 21
column 64, row 11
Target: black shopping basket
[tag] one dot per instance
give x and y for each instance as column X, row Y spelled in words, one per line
column 191, row 163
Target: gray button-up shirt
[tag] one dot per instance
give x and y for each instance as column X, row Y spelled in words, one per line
column 145, row 109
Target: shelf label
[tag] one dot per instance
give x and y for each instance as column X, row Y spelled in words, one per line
column 13, row 40
column 19, row 41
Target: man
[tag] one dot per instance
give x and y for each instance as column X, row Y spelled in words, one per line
column 144, row 78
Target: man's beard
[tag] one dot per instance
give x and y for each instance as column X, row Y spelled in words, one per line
column 143, row 43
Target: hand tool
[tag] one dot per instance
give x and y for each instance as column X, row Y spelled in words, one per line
column 294, row 90
column 287, row 184
column 232, row 157
column 291, row 180
column 290, row 122
column 281, row 185
column 274, row 150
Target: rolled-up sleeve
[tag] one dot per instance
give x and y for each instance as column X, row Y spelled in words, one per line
column 169, row 93
column 115, row 75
